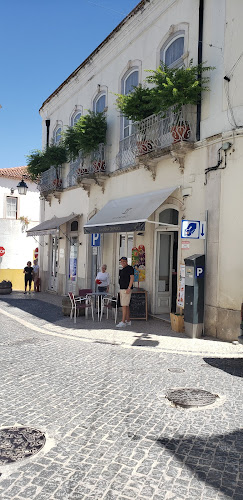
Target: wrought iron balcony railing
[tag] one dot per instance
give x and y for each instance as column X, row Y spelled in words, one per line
column 51, row 180
column 157, row 133
column 87, row 166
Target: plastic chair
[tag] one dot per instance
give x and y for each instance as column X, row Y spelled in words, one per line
column 78, row 303
column 109, row 302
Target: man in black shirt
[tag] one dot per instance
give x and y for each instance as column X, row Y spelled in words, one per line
column 28, row 276
column 126, row 279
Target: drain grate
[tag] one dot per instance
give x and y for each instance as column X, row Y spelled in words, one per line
column 17, row 443
column 189, row 398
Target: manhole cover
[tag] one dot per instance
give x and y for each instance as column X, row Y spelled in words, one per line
column 176, row 370
column 17, row 443
column 188, row 398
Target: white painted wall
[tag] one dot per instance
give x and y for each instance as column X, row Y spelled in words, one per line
column 18, row 248
column 138, row 44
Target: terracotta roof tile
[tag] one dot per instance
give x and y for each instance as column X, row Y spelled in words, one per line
column 16, row 172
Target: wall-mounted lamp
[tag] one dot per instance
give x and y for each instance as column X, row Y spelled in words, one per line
column 12, row 190
column 22, row 187
column 226, row 146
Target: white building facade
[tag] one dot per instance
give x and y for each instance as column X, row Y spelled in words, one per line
column 18, row 213
column 153, row 184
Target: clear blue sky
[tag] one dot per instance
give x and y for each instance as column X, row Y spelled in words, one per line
column 42, row 43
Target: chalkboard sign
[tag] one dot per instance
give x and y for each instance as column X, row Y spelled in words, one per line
column 138, row 305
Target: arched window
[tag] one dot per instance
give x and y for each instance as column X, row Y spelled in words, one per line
column 172, row 52
column 75, row 118
column 57, row 134
column 169, row 216
column 100, row 103
column 74, row 225
column 128, row 83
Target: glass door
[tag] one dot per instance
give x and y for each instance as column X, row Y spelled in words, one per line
column 54, row 263
column 72, row 265
column 163, row 272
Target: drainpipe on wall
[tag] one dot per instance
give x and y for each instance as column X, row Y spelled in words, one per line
column 199, row 58
column 47, row 132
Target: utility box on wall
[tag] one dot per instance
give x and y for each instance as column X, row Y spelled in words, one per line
column 194, row 295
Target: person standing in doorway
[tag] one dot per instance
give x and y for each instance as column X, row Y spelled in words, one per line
column 36, row 276
column 126, row 279
column 28, row 276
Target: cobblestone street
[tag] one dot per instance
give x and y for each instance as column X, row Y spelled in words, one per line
column 98, row 395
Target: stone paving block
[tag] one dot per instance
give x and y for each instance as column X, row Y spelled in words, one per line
column 112, row 428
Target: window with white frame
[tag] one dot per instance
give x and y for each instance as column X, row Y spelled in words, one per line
column 172, row 51
column 11, row 207
column 57, row 134
column 100, row 103
column 128, row 84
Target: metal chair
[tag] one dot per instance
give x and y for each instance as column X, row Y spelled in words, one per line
column 78, row 303
column 109, row 302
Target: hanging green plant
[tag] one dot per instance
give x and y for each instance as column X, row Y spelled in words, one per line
column 172, row 88
column 86, row 135
column 176, row 87
column 138, row 104
column 40, row 161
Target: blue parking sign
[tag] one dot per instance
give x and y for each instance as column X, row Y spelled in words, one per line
column 95, row 240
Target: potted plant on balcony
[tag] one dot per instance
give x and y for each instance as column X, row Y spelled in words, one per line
column 86, row 135
column 178, row 87
column 136, row 106
column 40, row 161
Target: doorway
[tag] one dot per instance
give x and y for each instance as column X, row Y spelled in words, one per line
column 166, row 263
column 54, row 263
column 72, row 264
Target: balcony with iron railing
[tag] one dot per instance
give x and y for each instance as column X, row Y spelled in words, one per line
column 92, row 166
column 51, row 181
column 157, row 136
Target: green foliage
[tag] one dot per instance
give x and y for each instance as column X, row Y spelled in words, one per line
column 35, row 164
column 40, row 161
column 86, row 135
column 172, row 87
column 139, row 104
column 176, row 87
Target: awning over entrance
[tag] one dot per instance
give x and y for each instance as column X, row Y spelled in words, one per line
column 127, row 214
column 50, row 226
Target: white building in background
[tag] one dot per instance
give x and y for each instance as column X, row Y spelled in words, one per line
column 163, row 184
column 17, row 214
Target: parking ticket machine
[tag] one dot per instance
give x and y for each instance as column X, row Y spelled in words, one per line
column 194, row 295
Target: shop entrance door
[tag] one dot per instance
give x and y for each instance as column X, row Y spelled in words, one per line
column 54, row 263
column 163, row 272
column 72, row 264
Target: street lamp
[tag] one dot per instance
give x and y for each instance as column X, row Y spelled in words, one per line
column 22, row 187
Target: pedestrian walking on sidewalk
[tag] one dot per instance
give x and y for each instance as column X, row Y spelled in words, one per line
column 28, row 276
column 126, row 279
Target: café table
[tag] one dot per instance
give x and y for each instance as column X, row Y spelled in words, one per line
column 94, row 295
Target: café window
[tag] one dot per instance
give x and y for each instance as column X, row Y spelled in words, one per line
column 11, row 207
column 169, row 216
column 74, row 225
column 125, row 247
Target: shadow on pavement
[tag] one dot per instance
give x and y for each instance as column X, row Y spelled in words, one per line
column 42, row 310
column 233, row 366
column 52, row 313
column 217, row 461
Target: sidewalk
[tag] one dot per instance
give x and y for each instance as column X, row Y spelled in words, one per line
column 42, row 312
